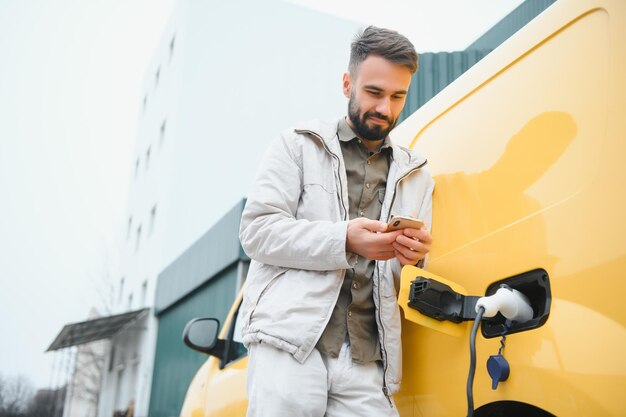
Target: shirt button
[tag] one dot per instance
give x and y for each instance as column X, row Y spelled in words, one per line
column 355, row 285
column 369, row 162
column 362, row 214
column 350, row 313
column 367, row 185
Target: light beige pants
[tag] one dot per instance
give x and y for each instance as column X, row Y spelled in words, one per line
column 280, row 386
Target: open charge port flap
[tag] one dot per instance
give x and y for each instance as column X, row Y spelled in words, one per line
column 437, row 300
column 535, row 285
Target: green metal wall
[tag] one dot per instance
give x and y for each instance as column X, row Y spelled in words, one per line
column 175, row 364
column 215, row 250
column 510, row 24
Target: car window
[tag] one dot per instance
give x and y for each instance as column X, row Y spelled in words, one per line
column 236, row 349
column 237, row 333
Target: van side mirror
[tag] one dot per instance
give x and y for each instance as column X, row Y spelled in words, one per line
column 200, row 334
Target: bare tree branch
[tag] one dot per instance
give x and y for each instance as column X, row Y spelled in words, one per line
column 16, row 395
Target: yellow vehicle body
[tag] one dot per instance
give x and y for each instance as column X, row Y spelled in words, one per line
column 527, row 150
column 218, row 392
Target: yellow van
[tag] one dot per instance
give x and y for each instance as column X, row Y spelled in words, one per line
column 527, row 150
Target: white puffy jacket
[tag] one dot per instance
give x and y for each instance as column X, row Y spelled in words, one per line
column 294, row 229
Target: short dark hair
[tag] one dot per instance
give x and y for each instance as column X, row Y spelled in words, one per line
column 385, row 43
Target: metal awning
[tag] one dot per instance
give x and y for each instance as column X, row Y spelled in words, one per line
column 91, row 330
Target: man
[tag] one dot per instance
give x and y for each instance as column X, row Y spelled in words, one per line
column 320, row 314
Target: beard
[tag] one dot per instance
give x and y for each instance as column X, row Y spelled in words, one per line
column 375, row 133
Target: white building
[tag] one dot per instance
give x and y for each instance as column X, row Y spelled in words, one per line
column 226, row 79
column 83, row 391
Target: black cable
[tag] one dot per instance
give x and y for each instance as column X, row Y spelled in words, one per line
column 472, row 368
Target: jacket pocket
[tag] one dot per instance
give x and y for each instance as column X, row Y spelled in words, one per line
column 316, row 176
column 270, row 283
column 318, row 202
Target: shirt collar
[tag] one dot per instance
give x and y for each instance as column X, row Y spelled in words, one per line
column 346, row 134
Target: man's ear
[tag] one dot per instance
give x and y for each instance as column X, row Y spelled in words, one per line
column 347, row 84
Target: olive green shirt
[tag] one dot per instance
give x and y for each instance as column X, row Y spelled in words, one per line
column 354, row 314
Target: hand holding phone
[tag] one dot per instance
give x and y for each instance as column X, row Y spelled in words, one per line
column 414, row 242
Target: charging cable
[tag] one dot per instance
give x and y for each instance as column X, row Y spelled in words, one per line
column 507, row 301
column 472, row 369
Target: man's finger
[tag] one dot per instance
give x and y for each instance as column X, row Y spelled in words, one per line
column 415, row 245
column 403, row 260
column 412, row 233
column 424, row 236
column 373, row 225
column 389, row 237
column 408, row 253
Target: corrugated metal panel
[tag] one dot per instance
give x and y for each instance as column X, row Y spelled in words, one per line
column 217, row 249
column 436, row 71
column 174, row 363
column 513, row 22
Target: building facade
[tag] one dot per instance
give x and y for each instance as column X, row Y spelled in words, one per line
column 225, row 80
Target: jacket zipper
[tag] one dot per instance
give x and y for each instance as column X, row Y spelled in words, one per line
column 380, row 318
column 345, row 210
column 343, row 205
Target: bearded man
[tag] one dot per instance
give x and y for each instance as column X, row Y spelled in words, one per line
column 320, row 313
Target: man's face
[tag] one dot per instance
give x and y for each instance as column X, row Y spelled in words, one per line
column 377, row 96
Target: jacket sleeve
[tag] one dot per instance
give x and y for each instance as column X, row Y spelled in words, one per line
column 269, row 231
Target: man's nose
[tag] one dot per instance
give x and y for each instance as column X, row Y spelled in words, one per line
column 384, row 106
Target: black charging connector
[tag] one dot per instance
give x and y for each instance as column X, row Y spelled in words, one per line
column 437, row 300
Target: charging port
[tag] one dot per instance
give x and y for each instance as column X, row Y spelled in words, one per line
column 535, row 285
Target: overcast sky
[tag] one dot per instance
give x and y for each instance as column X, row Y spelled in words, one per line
column 70, row 86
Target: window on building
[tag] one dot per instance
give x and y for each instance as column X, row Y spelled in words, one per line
column 144, row 293
column 121, row 293
column 111, row 358
column 130, row 301
column 136, row 168
column 147, row 158
column 118, row 400
column 129, row 228
column 172, row 42
column 162, row 133
column 157, row 76
column 138, row 239
column 145, row 102
column 152, row 219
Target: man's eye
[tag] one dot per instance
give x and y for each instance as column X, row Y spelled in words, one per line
column 398, row 96
column 373, row 92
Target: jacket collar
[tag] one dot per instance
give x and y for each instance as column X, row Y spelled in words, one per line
column 405, row 159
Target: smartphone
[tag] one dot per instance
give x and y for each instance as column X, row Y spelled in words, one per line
column 404, row 222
